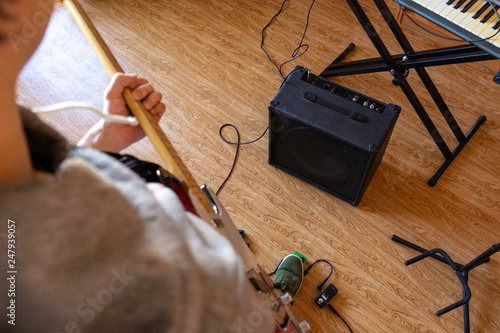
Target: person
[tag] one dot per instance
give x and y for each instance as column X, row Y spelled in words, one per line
column 86, row 246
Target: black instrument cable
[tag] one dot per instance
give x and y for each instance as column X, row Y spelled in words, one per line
column 295, row 55
column 320, row 286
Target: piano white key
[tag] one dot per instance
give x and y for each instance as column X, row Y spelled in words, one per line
column 480, row 28
column 419, row 1
column 451, row 15
column 443, row 9
column 486, row 30
column 475, row 23
column 495, row 40
column 462, row 18
column 468, row 17
column 489, row 33
column 431, row 4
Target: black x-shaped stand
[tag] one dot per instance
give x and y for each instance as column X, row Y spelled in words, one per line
column 462, row 272
column 399, row 66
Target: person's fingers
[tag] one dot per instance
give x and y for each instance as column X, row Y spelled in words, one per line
column 152, row 100
column 118, row 83
column 138, row 82
column 143, row 90
column 158, row 111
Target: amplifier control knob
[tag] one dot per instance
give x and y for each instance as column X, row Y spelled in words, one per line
column 355, row 98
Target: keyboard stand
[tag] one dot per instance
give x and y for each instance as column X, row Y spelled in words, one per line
column 399, row 66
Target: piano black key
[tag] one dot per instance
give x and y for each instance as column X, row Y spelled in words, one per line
column 468, row 5
column 497, row 14
column 449, row 2
column 488, row 15
column 481, row 10
column 459, row 4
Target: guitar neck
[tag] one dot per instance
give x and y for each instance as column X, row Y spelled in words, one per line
column 173, row 163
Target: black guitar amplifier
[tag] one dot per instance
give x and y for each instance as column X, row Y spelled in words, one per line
column 328, row 135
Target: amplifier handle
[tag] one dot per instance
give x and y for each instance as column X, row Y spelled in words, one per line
column 318, row 100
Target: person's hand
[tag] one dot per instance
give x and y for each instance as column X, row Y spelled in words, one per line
column 113, row 137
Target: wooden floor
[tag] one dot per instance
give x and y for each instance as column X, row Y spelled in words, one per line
column 205, row 57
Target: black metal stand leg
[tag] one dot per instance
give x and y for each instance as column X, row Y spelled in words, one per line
column 436, row 57
column 433, row 180
column 399, row 65
column 462, row 272
column 422, row 73
column 396, row 70
column 344, row 54
column 466, row 317
column 419, row 249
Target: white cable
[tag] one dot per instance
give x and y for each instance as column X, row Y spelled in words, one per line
column 77, row 105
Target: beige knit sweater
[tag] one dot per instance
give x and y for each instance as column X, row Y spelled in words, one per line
column 96, row 252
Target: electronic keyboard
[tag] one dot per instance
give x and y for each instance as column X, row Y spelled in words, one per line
column 474, row 21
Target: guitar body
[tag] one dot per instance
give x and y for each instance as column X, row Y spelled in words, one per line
column 285, row 316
